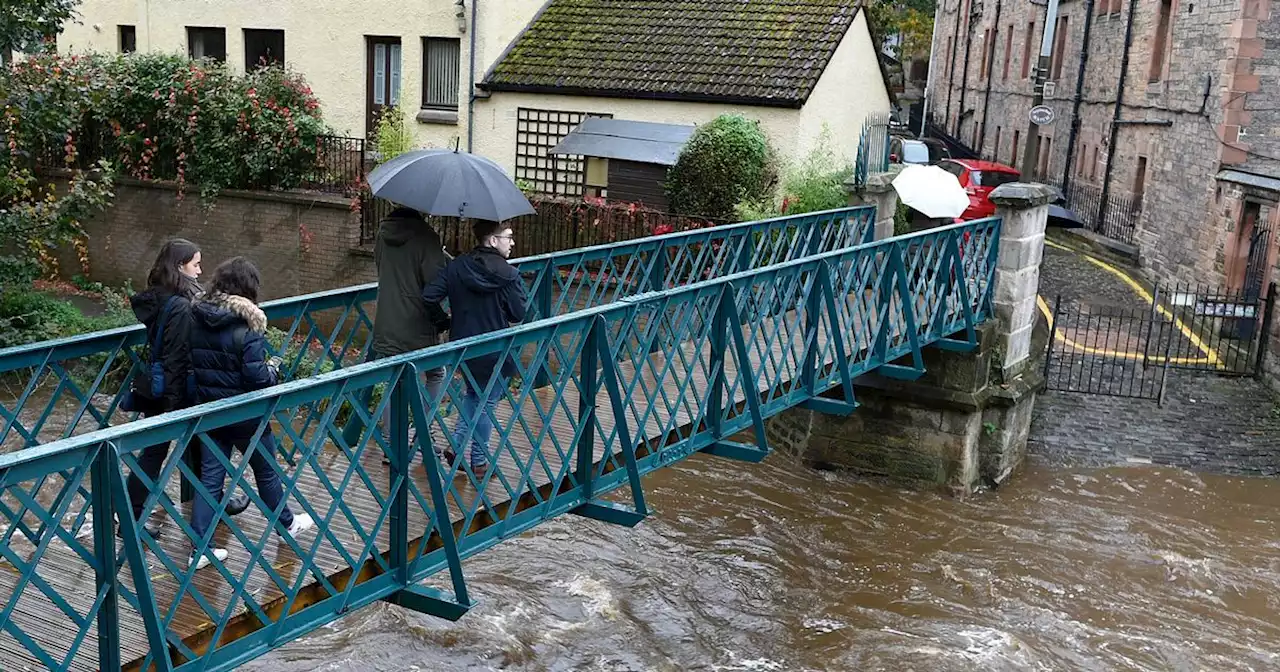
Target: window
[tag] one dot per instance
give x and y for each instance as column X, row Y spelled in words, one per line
column 1059, row 48
column 440, row 73
column 951, row 167
column 1104, row 7
column 1008, row 52
column 537, row 132
column 1140, row 182
column 128, row 39
column 1044, row 154
column 1093, row 165
column 207, row 43
column 915, row 152
column 995, row 151
column 1160, row 45
column 986, row 54
column 262, row 48
column 1013, row 155
column 1026, row 49
column 991, row 178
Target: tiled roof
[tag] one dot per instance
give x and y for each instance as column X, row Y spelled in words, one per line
column 762, row 52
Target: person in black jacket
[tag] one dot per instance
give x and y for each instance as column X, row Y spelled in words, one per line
column 408, row 255
column 229, row 357
column 485, row 294
column 173, row 276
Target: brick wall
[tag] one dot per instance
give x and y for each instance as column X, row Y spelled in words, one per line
column 301, row 242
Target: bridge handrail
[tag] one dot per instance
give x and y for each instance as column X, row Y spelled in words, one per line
column 475, row 345
column 18, row 356
column 832, row 316
column 557, row 283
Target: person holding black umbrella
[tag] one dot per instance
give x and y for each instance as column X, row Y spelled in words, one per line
column 486, row 294
column 408, row 256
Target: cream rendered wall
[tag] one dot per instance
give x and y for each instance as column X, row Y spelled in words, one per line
column 324, row 40
column 849, row 89
column 496, row 118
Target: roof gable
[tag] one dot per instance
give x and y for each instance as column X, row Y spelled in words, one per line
column 760, row 52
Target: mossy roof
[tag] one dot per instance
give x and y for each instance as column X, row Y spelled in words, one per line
column 761, row 52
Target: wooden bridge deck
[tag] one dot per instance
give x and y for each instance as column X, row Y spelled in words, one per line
column 74, row 580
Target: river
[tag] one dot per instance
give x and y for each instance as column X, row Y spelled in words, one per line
column 777, row 567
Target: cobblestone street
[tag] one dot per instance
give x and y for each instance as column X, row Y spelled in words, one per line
column 1208, row 421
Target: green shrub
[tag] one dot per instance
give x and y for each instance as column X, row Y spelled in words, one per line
column 392, row 135
column 30, row 317
column 727, row 161
column 814, row 184
column 163, row 116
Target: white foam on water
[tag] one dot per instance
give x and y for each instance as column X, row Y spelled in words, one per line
column 823, row 625
column 747, row 665
column 598, row 600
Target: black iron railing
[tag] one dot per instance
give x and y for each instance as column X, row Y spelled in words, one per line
column 559, row 224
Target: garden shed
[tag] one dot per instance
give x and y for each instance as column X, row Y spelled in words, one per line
column 626, row 160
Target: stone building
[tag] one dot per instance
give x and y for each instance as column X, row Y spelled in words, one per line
column 1169, row 110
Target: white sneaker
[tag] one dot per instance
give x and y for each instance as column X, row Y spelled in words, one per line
column 219, row 553
column 301, row 523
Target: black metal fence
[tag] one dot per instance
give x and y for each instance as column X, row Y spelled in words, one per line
column 1107, row 350
column 1128, row 351
column 340, row 165
column 559, row 224
column 1118, row 222
column 1215, row 329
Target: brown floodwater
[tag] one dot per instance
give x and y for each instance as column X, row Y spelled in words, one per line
column 777, row 567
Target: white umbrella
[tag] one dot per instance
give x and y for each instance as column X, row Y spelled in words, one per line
column 931, row 191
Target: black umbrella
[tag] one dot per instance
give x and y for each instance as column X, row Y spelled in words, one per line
column 1062, row 217
column 449, row 183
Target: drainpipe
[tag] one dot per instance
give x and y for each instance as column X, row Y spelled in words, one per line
column 1115, row 115
column 964, row 76
column 471, row 80
column 951, row 69
column 991, row 65
column 928, row 80
column 1075, row 103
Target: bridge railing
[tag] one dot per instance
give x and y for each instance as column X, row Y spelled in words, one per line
column 733, row 351
column 54, row 389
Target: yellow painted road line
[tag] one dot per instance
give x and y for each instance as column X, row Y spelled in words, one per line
column 1212, row 355
column 1059, row 336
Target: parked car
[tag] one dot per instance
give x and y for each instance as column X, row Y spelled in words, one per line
column 924, row 152
column 979, row 179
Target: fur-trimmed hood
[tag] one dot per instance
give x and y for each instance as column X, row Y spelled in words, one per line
column 218, row 311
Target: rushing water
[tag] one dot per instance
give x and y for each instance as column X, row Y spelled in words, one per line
column 780, row 567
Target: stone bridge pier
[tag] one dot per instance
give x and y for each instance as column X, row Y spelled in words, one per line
column 964, row 424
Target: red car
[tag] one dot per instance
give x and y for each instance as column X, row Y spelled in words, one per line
column 979, row 179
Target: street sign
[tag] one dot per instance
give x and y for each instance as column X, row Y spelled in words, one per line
column 1042, row 115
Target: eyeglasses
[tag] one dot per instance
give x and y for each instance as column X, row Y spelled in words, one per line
column 509, row 236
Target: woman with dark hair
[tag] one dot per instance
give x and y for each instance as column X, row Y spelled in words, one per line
column 165, row 308
column 229, row 357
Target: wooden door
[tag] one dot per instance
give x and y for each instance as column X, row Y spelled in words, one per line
column 382, row 76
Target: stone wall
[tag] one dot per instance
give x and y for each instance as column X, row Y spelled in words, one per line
column 302, row 243
column 1216, row 43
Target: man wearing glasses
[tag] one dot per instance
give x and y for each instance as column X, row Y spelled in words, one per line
column 485, row 294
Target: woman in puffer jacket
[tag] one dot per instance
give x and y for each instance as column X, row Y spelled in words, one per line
column 229, row 357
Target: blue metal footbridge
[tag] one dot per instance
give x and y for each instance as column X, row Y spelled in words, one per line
column 634, row 356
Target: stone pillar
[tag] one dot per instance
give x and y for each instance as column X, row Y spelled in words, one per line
column 878, row 191
column 1024, row 209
